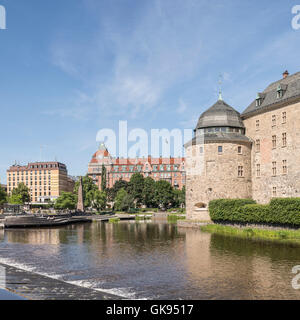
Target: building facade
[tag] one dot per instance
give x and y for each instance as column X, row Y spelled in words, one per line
column 255, row 154
column 169, row 169
column 45, row 180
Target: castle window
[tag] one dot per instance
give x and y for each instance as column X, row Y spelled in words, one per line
column 284, row 166
column 274, row 140
column 283, row 117
column 201, row 149
column 274, row 170
column 240, row 171
column 257, row 125
column 257, row 145
column 274, row 191
column 258, row 170
column 239, row 150
column 220, row 149
column 284, row 141
column 273, row 120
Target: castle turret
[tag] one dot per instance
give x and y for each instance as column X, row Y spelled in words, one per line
column 218, row 159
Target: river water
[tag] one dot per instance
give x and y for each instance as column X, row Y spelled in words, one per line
column 155, row 260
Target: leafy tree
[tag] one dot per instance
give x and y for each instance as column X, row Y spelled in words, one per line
column 164, row 195
column 135, row 187
column 88, row 187
column 20, row 195
column 112, row 192
column 179, row 197
column 103, row 178
column 99, row 201
column 123, row 201
column 3, row 196
column 67, row 200
column 149, row 192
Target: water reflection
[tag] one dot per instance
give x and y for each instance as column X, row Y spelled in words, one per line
column 156, row 260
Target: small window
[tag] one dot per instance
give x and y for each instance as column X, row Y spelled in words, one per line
column 257, row 125
column 284, row 166
column 240, row 171
column 274, row 169
column 284, row 140
column 274, row 191
column 257, row 145
column 283, row 117
column 273, row 120
column 220, row 149
column 258, row 170
column 239, row 150
column 274, row 142
column 201, row 150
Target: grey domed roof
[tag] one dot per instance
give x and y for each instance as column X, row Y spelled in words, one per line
column 220, row 115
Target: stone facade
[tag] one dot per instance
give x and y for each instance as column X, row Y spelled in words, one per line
column 276, row 153
column 215, row 175
column 253, row 155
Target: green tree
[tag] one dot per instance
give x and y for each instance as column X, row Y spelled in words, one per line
column 179, row 197
column 164, row 195
column 149, row 192
column 89, row 188
column 135, row 188
column 20, row 195
column 100, row 199
column 123, row 201
column 67, row 200
column 103, row 178
column 112, row 192
column 3, row 196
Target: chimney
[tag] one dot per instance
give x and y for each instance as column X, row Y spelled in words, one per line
column 285, row 74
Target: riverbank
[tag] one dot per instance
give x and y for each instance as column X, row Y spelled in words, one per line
column 292, row 236
column 33, row 286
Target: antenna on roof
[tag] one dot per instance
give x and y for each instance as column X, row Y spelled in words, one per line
column 220, row 86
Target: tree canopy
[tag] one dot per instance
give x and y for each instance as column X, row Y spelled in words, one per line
column 123, row 201
column 67, row 200
column 3, row 196
column 136, row 187
column 20, row 195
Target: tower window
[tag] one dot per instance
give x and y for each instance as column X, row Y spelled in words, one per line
column 258, row 170
column 283, row 117
column 274, row 191
column 239, row 150
column 220, row 149
column 257, row 125
column 257, row 145
column 240, row 171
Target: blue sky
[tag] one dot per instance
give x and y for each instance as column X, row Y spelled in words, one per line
column 72, row 67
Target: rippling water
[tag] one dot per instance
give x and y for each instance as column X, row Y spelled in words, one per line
column 148, row 260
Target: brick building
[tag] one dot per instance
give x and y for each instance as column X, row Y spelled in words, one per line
column 169, row 169
column 255, row 154
column 45, row 180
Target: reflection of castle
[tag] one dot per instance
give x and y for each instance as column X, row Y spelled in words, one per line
column 169, row 169
column 252, row 155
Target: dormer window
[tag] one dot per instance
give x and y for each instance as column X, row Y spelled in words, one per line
column 281, row 90
column 259, row 99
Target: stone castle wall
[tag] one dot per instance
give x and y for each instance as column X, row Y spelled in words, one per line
column 213, row 175
column 271, row 177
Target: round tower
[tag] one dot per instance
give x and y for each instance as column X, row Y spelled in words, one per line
column 218, row 160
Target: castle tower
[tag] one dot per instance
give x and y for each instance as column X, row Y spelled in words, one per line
column 218, row 160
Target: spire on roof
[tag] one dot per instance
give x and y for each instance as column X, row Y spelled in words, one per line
column 220, row 87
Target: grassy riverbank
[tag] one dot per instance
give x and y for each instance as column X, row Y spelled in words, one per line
column 254, row 233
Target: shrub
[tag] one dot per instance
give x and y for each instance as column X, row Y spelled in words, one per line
column 284, row 211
